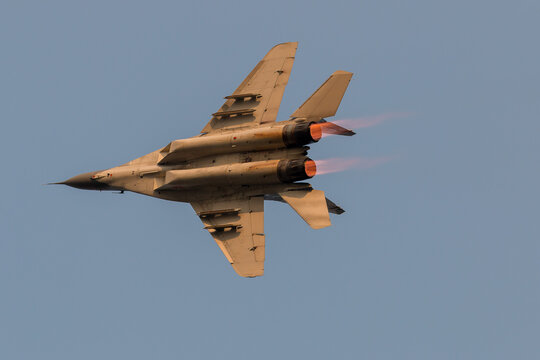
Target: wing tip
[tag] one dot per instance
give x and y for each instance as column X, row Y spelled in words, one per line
column 248, row 273
column 290, row 43
column 287, row 49
column 342, row 72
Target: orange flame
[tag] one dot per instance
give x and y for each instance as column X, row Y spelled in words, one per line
column 328, row 166
column 325, row 129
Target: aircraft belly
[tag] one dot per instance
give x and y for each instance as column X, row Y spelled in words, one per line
column 261, row 172
column 241, row 158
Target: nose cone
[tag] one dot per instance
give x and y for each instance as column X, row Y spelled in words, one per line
column 85, row 181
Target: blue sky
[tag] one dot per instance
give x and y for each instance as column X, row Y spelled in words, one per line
column 436, row 256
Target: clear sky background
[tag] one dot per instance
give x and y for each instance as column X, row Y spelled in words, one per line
column 437, row 256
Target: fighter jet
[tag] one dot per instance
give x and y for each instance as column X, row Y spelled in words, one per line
column 241, row 158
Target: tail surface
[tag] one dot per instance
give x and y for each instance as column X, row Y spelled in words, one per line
column 310, row 205
column 325, row 101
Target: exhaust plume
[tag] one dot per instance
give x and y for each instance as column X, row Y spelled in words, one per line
column 369, row 121
column 328, row 166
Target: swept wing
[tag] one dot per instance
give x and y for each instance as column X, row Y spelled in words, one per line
column 237, row 226
column 257, row 99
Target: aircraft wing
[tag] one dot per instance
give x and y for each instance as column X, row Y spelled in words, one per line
column 257, row 99
column 237, row 226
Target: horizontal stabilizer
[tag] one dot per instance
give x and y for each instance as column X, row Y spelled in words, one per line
column 333, row 208
column 325, row 101
column 310, row 205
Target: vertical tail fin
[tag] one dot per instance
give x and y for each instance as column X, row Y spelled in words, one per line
column 325, row 101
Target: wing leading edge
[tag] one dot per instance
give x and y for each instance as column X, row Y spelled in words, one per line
column 237, row 226
column 257, row 99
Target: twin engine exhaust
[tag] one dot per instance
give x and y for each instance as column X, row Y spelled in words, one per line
column 292, row 134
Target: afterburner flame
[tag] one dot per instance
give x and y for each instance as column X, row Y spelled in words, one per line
column 328, row 166
column 316, row 132
column 310, row 168
column 326, row 129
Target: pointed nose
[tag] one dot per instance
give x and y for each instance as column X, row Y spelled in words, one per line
column 85, row 181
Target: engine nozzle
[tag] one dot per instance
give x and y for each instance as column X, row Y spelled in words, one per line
column 301, row 133
column 296, row 170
